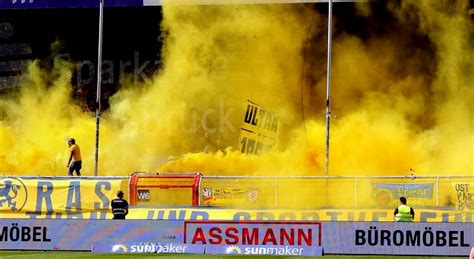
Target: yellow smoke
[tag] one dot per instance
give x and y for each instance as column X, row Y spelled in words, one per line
column 35, row 121
column 390, row 112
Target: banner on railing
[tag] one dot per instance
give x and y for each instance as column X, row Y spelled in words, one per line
column 227, row 196
column 418, row 191
column 464, row 195
column 58, row 197
column 387, row 194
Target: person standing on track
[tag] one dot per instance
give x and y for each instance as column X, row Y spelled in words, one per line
column 119, row 206
column 404, row 213
column 75, row 156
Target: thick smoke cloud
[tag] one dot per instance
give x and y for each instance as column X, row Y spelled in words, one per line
column 402, row 95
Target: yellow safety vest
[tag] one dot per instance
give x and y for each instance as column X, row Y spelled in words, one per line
column 403, row 214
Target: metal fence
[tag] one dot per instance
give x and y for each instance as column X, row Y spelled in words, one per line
column 309, row 192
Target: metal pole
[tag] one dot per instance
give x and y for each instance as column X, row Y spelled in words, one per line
column 437, row 191
column 276, row 192
column 356, row 182
column 328, row 85
column 99, row 84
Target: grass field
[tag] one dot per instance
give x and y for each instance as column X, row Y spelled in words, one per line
column 67, row 255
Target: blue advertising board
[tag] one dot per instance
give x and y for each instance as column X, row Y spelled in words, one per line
column 265, row 250
column 140, row 247
column 54, row 234
column 237, row 237
column 400, row 238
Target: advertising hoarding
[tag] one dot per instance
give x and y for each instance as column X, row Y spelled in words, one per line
column 54, row 234
column 453, row 239
column 265, row 250
column 243, row 237
column 157, row 248
column 253, row 233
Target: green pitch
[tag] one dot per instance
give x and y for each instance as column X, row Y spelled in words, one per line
column 61, row 254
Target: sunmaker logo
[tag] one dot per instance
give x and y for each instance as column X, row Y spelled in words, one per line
column 158, row 248
column 145, row 247
column 233, row 250
column 119, row 248
column 265, row 250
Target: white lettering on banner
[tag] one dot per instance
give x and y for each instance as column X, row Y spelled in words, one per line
column 240, row 249
column 146, row 247
column 273, row 251
column 158, row 248
column 143, row 195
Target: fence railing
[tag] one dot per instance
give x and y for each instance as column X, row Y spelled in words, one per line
column 447, row 191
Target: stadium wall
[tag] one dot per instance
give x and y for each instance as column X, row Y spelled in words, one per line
column 224, row 237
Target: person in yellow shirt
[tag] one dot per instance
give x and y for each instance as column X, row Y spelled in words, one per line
column 404, row 213
column 75, row 157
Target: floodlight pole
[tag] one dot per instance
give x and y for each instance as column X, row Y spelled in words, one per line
column 99, row 86
column 328, row 85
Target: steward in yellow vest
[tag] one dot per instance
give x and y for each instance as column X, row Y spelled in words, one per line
column 404, row 213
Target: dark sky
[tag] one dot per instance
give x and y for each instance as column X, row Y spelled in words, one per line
column 131, row 37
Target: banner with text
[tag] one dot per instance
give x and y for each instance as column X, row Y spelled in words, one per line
column 58, row 197
column 140, row 248
column 53, row 234
column 238, row 237
column 256, row 233
column 464, row 195
column 453, row 239
column 286, row 250
column 226, row 196
column 417, row 191
column 259, row 130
